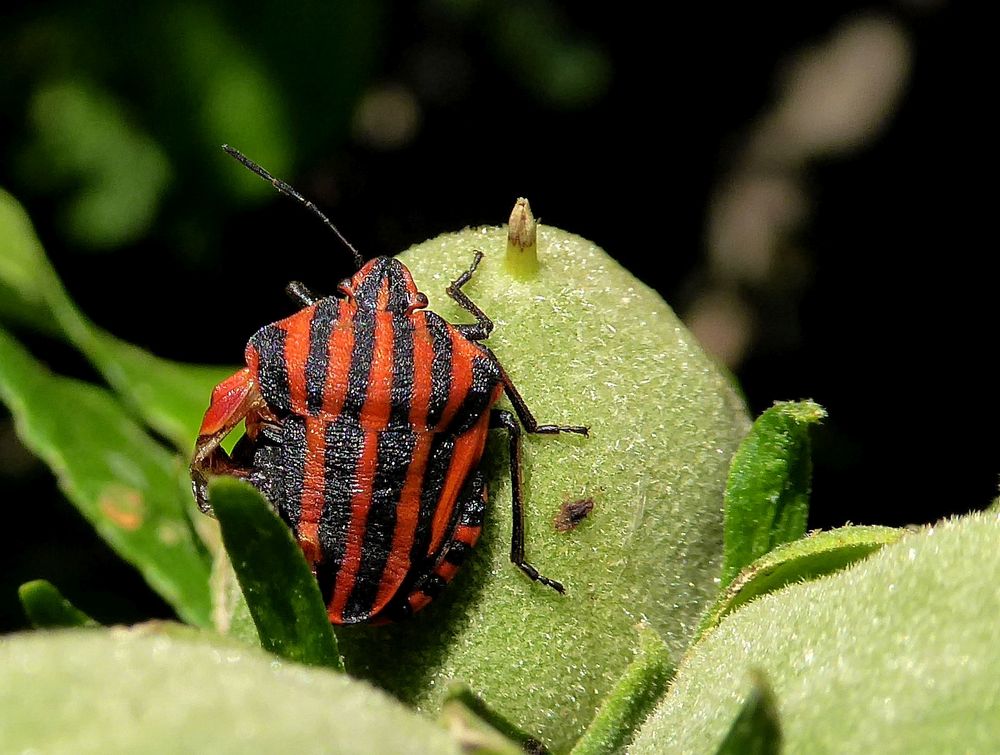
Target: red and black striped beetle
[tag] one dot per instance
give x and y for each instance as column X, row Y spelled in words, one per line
column 366, row 419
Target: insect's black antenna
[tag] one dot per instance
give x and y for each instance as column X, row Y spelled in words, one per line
column 288, row 191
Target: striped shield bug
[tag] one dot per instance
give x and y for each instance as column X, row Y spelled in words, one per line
column 366, row 417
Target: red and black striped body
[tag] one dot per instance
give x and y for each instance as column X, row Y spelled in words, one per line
column 376, row 415
column 366, row 418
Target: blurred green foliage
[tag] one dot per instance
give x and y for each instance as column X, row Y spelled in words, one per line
column 85, row 144
column 112, row 113
column 115, row 116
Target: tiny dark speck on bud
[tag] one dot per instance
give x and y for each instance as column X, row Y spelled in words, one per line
column 572, row 513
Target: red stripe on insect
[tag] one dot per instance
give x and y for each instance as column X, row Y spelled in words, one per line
column 296, row 330
column 378, row 398
column 468, row 451
column 398, row 563
column 339, row 360
column 418, row 601
column 423, row 358
column 354, row 538
column 374, row 417
column 312, row 491
column 408, row 511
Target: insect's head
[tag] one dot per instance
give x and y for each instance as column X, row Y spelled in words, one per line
column 383, row 284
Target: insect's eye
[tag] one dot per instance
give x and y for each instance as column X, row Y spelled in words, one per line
column 344, row 287
column 418, row 302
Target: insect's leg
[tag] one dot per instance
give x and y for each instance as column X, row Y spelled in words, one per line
column 300, row 293
column 484, row 325
column 524, row 414
column 503, row 419
column 232, row 400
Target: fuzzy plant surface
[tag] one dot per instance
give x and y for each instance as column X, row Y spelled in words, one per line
column 584, row 341
column 164, row 688
column 896, row 654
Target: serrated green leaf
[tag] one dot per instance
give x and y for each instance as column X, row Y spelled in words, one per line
column 767, row 494
column 280, row 590
column 756, row 730
column 169, row 396
column 134, row 492
column 632, row 699
column 807, row 558
column 160, row 689
column 895, row 654
column 46, row 608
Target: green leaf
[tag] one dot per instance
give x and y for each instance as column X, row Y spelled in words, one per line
column 230, row 613
column 45, row 607
column 134, row 492
column 897, row 653
column 807, row 558
column 24, row 272
column 171, row 397
column 160, row 689
column 632, row 699
column 756, row 730
column 585, row 343
column 85, row 143
column 280, row 590
column 480, row 730
column 767, row 494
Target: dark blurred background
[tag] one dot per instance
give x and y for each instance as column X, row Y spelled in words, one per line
column 813, row 169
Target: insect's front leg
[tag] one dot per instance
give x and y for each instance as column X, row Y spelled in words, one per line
column 484, row 325
column 482, row 330
column 232, row 401
column 211, row 459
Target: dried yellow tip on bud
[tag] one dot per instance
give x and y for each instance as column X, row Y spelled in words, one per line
column 522, row 244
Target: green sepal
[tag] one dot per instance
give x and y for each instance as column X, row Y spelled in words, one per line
column 280, row 590
column 46, row 608
column 807, row 558
column 631, row 700
column 767, row 492
column 757, row 729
